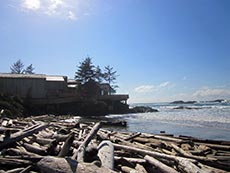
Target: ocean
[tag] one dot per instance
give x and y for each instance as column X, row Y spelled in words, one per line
column 206, row 120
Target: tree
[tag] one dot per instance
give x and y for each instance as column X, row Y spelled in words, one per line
column 98, row 74
column 17, row 67
column 29, row 69
column 110, row 76
column 86, row 71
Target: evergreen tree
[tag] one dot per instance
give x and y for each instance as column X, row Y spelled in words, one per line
column 98, row 74
column 86, row 71
column 17, row 67
column 29, row 69
column 110, row 76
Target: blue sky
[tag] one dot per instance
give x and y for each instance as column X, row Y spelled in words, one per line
column 163, row 50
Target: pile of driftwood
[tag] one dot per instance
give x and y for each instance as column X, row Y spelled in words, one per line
column 47, row 144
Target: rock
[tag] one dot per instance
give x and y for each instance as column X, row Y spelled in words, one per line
column 185, row 107
column 217, row 101
column 142, row 109
column 183, row 102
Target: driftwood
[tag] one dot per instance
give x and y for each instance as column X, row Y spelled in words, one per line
column 34, row 149
column 132, row 160
column 63, row 165
column 132, row 136
column 106, row 154
column 66, row 146
column 81, row 150
column 133, row 152
column 127, row 169
column 159, row 165
column 189, row 155
column 21, row 134
column 13, row 162
column 151, row 153
column 140, row 169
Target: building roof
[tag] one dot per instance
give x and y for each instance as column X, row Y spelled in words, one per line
column 33, row 76
column 10, row 75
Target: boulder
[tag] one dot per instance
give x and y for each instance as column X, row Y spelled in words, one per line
column 142, row 109
column 183, row 102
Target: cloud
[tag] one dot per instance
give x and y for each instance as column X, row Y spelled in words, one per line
column 72, row 16
column 144, row 88
column 152, row 88
column 64, row 9
column 165, row 84
column 210, row 93
column 31, row 4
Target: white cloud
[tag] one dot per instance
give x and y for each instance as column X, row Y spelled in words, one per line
column 152, row 88
column 31, row 4
column 72, row 16
column 164, row 84
column 210, row 93
column 64, row 9
column 53, row 6
column 144, row 88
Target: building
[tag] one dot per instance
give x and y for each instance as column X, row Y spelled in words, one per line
column 40, row 89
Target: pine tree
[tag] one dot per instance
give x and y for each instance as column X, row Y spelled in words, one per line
column 17, row 67
column 29, row 69
column 86, row 71
column 98, row 74
column 110, row 76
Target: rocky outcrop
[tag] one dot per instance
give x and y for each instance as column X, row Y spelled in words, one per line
column 185, row 107
column 183, row 102
column 142, row 109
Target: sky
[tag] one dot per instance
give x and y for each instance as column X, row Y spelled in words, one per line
column 163, row 50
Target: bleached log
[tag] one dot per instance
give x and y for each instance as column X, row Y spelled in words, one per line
column 167, row 138
column 43, row 141
column 63, row 165
column 146, row 152
column 217, row 146
column 16, row 170
column 185, row 163
column 209, row 169
column 12, row 130
column 132, row 136
column 188, row 167
column 159, row 165
column 132, row 160
column 189, row 155
column 21, row 134
column 106, row 154
column 27, row 169
column 60, row 137
column 20, row 152
column 67, row 145
column 33, row 159
column 127, row 169
column 140, row 169
column 13, row 162
column 34, row 149
column 81, row 149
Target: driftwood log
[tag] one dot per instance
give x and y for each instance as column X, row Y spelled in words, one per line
column 23, row 133
column 60, row 146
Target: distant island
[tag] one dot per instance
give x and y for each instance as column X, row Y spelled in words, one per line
column 183, row 102
column 193, row 102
